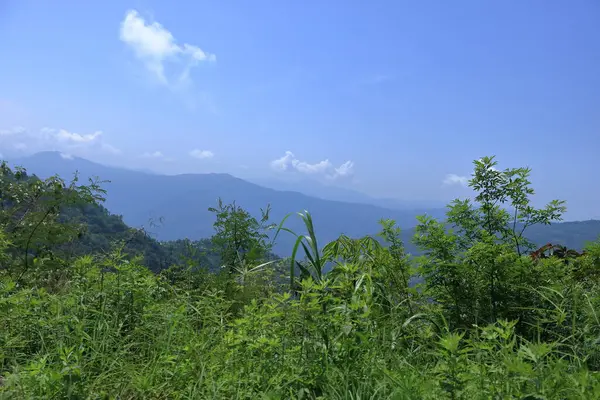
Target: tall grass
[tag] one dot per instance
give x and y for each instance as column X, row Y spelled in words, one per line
column 113, row 330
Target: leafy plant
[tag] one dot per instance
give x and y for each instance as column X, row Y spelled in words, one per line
column 488, row 321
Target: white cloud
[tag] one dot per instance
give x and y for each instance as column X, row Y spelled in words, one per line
column 316, row 168
column 156, row 154
column 346, row 169
column 51, row 139
column 17, row 130
column 201, row 154
column 453, row 179
column 154, row 46
column 110, row 148
column 66, row 156
column 283, row 163
column 290, row 163
column 67, row 136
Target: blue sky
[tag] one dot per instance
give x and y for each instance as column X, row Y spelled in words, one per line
column 386, row 97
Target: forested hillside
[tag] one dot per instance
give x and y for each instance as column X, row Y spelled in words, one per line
column 83, row 226
column 176, row 207
column 90, row 308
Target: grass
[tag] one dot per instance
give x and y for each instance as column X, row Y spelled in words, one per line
column 110, row 329
column 485, row 320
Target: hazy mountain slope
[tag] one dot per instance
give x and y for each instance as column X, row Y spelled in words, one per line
column 182, row 202
column 573, row 235
column 322, row 191
column 104, row 230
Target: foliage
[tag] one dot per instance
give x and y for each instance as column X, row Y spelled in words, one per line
column 478, row 316
column 31, row 214
column 239, row 237
column 51, row 221
column 193, row 253
column 476, row 271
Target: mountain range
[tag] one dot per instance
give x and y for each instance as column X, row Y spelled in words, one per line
column 172, row 207
column 320, row 190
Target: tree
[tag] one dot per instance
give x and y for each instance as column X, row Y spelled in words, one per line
column 32, row 215
column 239, row 238
column 475, row 270
column 494, row 189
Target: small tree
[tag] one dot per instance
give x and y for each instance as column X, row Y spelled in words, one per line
column 496, row 189
column 239, row 238
column 32, row 215
column 475, row 270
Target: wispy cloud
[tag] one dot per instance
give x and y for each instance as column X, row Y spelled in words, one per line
column 453, row 179
column 201, row 154
column 108, row 148
column 155, row 47
column 153, row 154
column 74, row 140
column 346, row 169
column 156, row 155
column 289, row 162
column 53, row 139
column 17, row 130
column 71, row 137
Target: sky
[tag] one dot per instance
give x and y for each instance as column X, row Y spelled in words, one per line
column 391, row 98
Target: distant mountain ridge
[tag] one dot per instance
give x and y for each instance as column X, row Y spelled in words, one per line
column 336, row 193
column 176, row 206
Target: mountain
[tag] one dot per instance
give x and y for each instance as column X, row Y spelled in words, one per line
column 44, row 220
column 104, row 229
column 176, row 206
column 573, row 234
column 336, row 193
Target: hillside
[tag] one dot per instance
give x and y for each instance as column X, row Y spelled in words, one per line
column 104, row 230
column 176, row 207
column 52, row 220
column 484, row 315
column 316, row 189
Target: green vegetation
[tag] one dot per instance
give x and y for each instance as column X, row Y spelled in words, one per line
column 491, row 318
column 178, row 204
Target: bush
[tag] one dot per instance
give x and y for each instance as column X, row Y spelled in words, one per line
column 488, row 320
